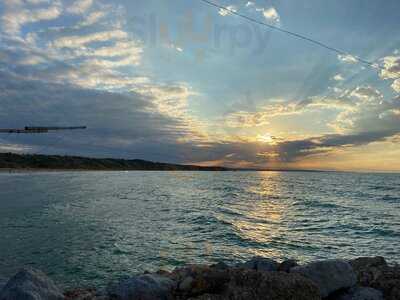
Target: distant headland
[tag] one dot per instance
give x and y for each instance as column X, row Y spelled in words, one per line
column 12, row 161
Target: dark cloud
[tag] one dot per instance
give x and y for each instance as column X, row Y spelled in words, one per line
column 116, row 121
column 291, row 151
column 128, row 125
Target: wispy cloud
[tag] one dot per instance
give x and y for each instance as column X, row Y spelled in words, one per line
column 79, row 41
column 229, row 9
column 338, row 77
column 17, row 14
column 80, row 62
column 391, row 71
column 79, row 6
column 350, row 59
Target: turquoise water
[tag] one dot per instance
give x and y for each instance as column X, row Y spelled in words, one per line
column 88, row 228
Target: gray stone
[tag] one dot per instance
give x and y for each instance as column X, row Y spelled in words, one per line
column 363, row 263
column 82, row 294
column 260, row 264
column 186, row 284
column 254, row 285
column 143, row 287
column 328, row 275
column 362, row 293
column 286, row 265
column 220, row 265
column 197, row 280
column 29, row 284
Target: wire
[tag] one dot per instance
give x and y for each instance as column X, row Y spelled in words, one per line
column 296, row 35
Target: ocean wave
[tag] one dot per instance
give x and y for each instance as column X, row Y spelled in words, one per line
column 383, row 188
column 389, row 198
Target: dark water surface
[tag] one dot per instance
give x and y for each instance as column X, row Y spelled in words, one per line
column 90, row 227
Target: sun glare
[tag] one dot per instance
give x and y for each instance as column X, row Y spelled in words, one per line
column 265, row 138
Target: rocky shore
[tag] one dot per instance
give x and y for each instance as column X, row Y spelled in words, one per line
column 365, row 278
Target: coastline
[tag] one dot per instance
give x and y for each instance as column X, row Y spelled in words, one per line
column 363, row 278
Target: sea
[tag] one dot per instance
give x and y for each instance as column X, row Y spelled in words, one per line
column 89, row 228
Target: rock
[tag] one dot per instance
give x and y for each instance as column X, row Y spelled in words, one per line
column 376, row 273
column 198, row 280
column 29, row 284
column 367, row 262
column 202, row 282
column 81, row 294
column 186, row 284
column 254, row 285
column 368, row 268
column 260, row 264
column 362, row 293
column 220, row 265
column 286, row 265
column 208, row 297
column 142, row 287
column 387, row 280
column 329, row 275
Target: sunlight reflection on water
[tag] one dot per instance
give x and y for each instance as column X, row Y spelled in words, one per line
column 90, row 227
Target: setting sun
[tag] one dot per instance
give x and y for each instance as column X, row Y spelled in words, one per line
column 266, row 138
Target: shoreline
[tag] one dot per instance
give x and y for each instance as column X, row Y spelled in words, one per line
column 363, row 278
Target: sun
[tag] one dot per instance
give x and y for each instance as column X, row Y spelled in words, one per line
column 265, row 138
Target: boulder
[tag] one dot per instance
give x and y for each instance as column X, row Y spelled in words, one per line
column 199, row 280
column 254, row 285
column 368, row 269
column 329, row 275
column 82, row 294
column 29, row 284
column 387, row 280
column 202, row 282
column 362, row 293
column 260, row 264
column 376, row 273
column 142, row 287
column 286, row 265
column 220, row 265
column 363, row 263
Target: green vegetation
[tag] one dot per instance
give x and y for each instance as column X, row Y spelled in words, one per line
column 56, row 162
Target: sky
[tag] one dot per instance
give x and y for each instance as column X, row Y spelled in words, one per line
column 180, row 81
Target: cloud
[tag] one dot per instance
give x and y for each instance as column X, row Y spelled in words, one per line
column 396, row 85
column 15, row 148
column 264, row 114
column 363, row 117
column 272, row 15
column 79, row 6
column 391, row 71
column 291, row 151
column 82, row 40
column 91, row 57
column 244, row 119
column 17, row 14
column 130, row 125
column 228, row 11
column 350, row 59
column 338, row 77
column 366, row 93
column 366, row 114
column 84, row 67
column 92, row 18
column 150, row 124
column 391, row 67
column 116, row 122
